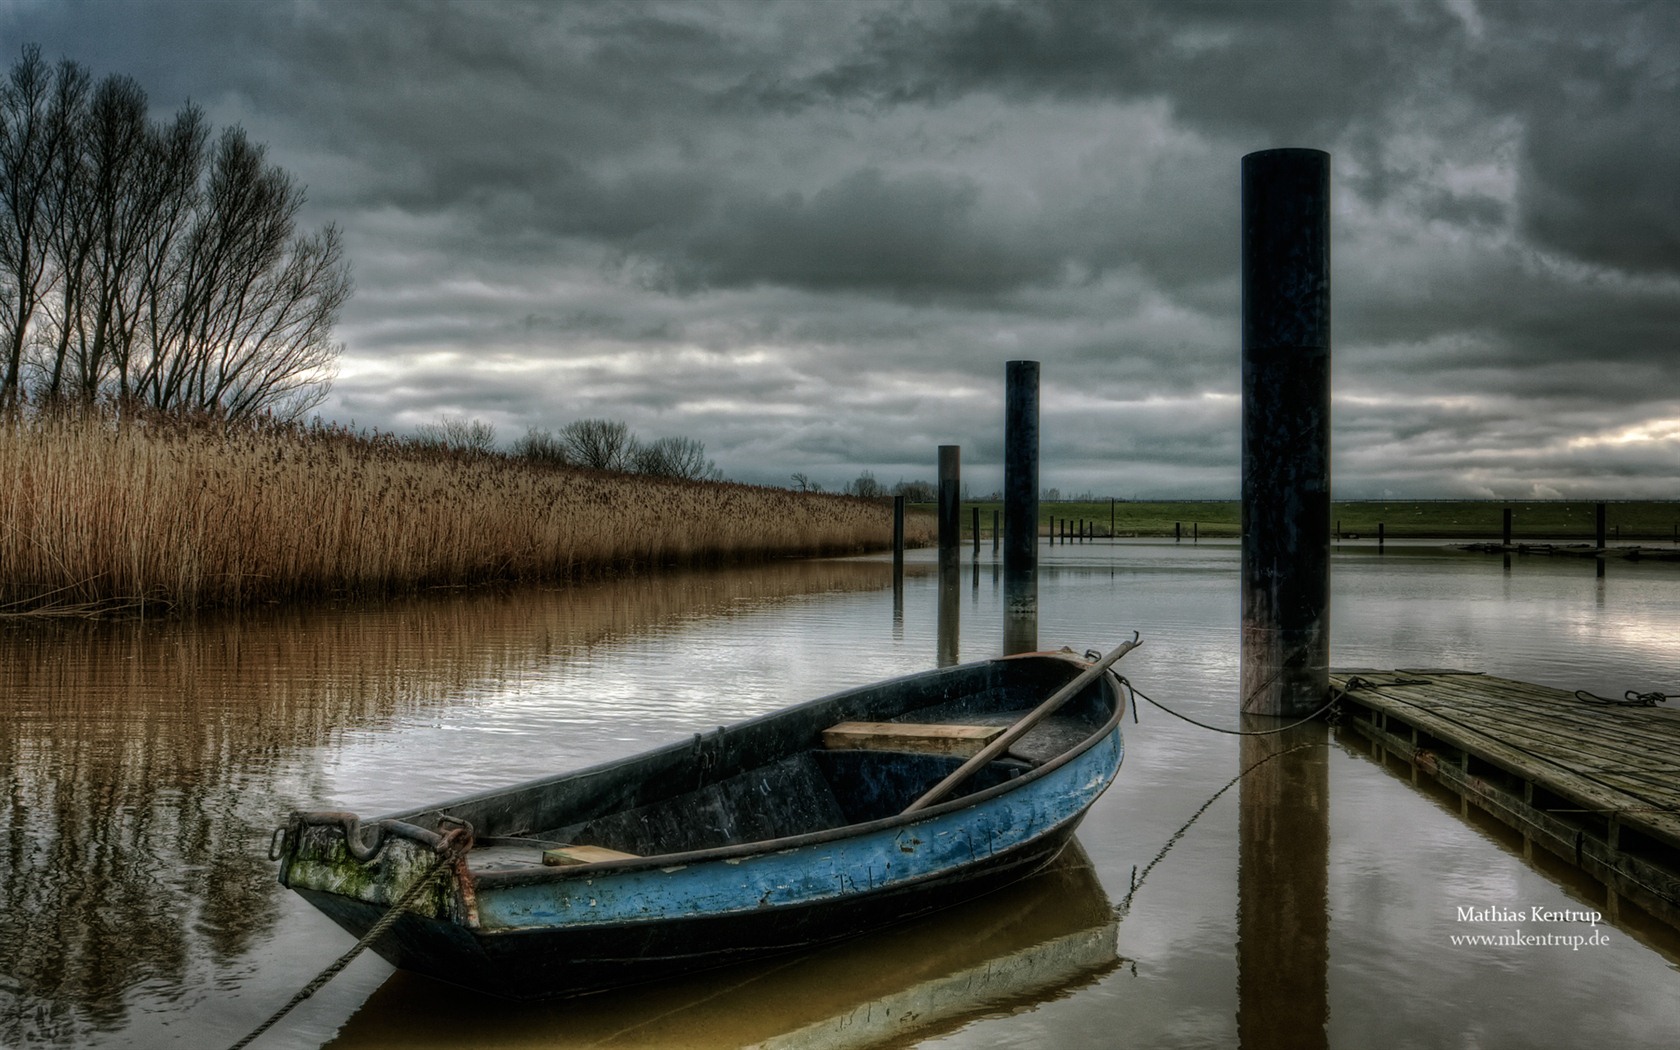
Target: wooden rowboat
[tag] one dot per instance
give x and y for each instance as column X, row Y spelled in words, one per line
column 797, row 828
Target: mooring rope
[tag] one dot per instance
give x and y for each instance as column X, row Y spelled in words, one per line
column 1631, row 698
column 1137, row 879
column 1130, row 688
column 447, row 854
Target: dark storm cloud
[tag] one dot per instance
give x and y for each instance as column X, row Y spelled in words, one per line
column 810, row 234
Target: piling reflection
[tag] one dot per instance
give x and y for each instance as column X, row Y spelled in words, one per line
column 1039, row 940
column 1020, row 612
column 950, row 609
column 1283, row 922
column 147, row 761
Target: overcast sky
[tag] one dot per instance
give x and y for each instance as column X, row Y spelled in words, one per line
column 810, row 234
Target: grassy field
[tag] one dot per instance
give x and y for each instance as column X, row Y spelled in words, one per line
column 152, row 517
column 1544, row 521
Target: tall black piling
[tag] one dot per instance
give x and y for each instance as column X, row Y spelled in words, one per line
column 1286, row 431
column 1506, row 529
column 1598, row 526
column 950, row 497
column 976, row 532
column 997, row 534
column 1020, row 467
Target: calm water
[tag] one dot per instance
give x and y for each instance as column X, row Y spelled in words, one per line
column 146, row 764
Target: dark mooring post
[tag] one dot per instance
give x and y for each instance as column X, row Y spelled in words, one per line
column 1598, row 525
column 1506, row 530
column 997, row 536
column 898, row 536
column 950, row 498
column 1286, row 431
column 1020, row 467
column 976, row 517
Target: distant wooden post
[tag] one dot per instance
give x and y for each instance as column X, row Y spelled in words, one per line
column 1507, row 530
column 1195, row 532
column 976, row 531
column 1598, row 525
column 950, row 551
column 1111, row 517
column 1285, row 431
column 1178, row 532
column 1020, row 467
column 1379, row 537
column 996, row 535
column 898, row 535
column 950, row 497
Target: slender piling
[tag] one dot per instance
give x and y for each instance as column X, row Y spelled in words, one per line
column 1598, row 526
column 1506, row 542
column 950, row 497
column 1286, row 431
column 997, row 536
column 898, row 537
column 1020, row 467
column 950, row 551
column 976, row 516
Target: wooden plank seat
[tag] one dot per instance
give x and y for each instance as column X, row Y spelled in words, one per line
column 921, row 737
column 566, row 856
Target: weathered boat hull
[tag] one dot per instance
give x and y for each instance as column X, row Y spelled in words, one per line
column 529, row 932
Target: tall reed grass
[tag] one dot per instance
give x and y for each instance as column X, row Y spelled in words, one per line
column 146, row 514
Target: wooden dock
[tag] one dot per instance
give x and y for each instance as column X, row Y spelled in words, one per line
column 1598, row 786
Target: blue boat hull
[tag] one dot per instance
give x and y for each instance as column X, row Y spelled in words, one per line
column 534, row 933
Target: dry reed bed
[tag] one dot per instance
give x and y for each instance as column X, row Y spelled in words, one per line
column 93, row 516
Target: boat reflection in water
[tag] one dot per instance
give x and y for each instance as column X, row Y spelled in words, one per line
column 1035, row 941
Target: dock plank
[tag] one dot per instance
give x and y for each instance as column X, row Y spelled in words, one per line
column 1622, row 760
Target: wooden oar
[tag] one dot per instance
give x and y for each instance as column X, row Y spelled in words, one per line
column 1019, row 729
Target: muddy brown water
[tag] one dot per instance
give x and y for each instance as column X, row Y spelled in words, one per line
column 1323, row 904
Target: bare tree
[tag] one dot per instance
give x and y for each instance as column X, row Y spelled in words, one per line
column 598, row 443
column 802, row 481
column 541, row 446
column 672, row 457
column 246, row 324
column 916, row 491
column 458, row 435
column 34, row 133
column 865, row 486
column 136, row 264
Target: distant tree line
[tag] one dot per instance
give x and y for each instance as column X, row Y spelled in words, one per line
column 866, row 485
column 598, row 444
column 142, row 263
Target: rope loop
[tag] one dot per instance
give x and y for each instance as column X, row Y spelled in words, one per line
column 452, row 847
column 1631, row 698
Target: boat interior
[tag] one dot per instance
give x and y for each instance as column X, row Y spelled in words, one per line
column 859, row 772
